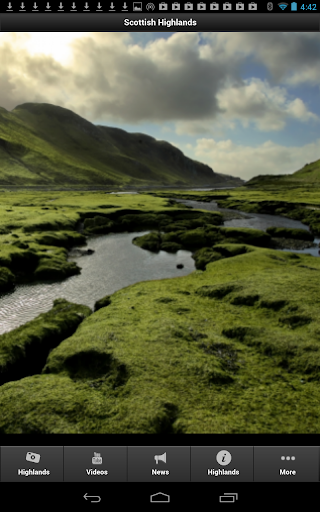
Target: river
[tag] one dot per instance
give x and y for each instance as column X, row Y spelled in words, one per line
column 255, row 221
column 117, row 263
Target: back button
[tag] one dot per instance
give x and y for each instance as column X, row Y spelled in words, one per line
column 93, row 499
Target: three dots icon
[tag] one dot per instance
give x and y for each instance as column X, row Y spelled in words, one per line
column 287, row 457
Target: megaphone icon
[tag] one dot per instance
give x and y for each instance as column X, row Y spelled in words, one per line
column 160, row 457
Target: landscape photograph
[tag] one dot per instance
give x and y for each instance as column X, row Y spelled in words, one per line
column 159, row 233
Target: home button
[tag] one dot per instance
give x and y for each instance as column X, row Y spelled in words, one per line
column 160, row 497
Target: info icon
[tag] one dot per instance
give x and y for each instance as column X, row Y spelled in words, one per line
column 223, row 458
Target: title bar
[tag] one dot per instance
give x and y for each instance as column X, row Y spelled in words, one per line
column 209, row 22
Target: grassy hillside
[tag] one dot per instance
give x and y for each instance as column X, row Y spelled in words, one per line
column 43, row 144
column 310, row 172
column 308, row 175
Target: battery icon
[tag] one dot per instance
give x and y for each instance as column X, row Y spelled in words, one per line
column 294, row 6
column 228, row 497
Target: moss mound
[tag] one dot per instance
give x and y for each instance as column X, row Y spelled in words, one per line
column 23, row 351
column 150, row 242
column 137, row 220
column 61, row 239
column 204, row 256
column 55, row 267
column 7, row 279
column 102, row 303
column 296, row 234
column 170, row 247
column 249, row 236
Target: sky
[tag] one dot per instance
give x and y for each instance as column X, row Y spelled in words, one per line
column 244, row 103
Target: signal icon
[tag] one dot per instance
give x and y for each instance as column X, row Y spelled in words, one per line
column 283, row 5
column 150, row 7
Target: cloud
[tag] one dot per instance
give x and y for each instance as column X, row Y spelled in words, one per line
column 25, row 78
column 190, row 79
column 247, row 161
column 108, row 76
column 250, row 102
column 157, row 82
column 292, row 58
column 256, row 101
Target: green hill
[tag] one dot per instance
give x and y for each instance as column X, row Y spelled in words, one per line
column 309, row 174
column 43, row 144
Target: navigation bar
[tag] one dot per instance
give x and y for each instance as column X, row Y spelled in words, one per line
column 160, row 464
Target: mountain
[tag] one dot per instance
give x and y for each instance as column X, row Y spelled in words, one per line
column 43, row 144
column 309, row 174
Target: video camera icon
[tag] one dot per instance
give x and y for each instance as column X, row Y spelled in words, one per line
column 33, row 457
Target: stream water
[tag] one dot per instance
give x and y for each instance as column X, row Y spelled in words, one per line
column 255, row 221
column 115, row 264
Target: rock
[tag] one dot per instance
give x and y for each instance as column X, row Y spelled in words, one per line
column 179, row 265
column 75, row 253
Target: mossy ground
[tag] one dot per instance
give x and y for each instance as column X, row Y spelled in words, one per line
column 24, row 350
column 298, row 200
column 38, row 228
column 232, row 349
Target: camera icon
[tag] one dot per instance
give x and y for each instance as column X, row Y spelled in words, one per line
column 32, row 457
